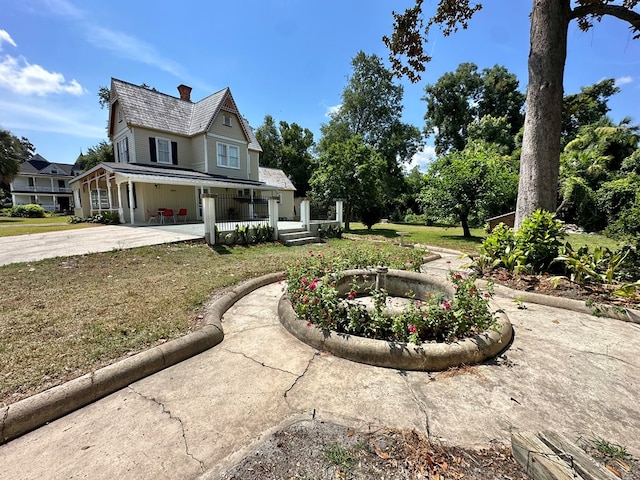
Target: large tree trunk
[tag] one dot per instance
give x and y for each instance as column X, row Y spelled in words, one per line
column 464, row 220
column 540, row 158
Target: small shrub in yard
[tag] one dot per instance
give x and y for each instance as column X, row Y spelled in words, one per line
column 532, row 248
column 30, row 210
column 312, row 287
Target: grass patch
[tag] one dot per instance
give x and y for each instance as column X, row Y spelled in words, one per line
column 13, row 230
column 12, row 226
column 437, row 236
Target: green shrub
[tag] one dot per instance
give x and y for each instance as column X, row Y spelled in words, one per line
column 532, row 248
column 540, row 237
column 415, row 219
column 30, row 210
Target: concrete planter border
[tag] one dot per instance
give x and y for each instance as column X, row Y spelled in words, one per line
column 429, row 356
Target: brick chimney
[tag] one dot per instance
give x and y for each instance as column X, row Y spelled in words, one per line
column 185, row 92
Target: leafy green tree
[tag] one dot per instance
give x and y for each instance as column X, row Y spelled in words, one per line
column 492, row 129
column 350, row 170
column 270, row 140
column 592, row 166
column 372, row 109
column 297, row 161
column 586, row 107
column 100, row 153
column 462, row 98
column 464, row 186
column 541, row 144
column 11, row 155
column 287, row 147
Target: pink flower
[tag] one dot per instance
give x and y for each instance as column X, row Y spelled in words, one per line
column 305, row 299
column 352, row 295
column 304, row 280
column 486, row 295
column 446, row 305
column 413, row 329
column 458, row 276
column 312, row 286
column 316, row 301
column 309, row 324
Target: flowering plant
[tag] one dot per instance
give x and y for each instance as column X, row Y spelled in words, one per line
column 312, row 287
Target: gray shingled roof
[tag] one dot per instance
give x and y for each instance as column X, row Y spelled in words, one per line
column 37, row 163
column 147, row 108
column 275, row 177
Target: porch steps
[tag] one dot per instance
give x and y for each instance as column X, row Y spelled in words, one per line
column 298, row 236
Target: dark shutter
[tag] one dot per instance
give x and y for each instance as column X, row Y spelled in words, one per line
column 152, row 149
column 135, row 200
column 126, row 146
column 174, row 152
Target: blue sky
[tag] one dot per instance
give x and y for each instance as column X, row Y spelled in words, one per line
column 286, row 58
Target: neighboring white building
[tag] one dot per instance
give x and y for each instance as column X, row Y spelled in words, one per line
column 43, row 183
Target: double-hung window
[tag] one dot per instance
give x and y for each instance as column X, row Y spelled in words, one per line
column 123, row 150
column 228, row 156
column 164, row 150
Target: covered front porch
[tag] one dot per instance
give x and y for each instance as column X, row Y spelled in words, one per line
column 141, row 194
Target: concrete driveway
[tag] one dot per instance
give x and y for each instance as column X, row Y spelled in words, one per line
column 38, row 246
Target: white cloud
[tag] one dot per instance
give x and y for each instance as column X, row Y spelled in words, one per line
column 623, row 80
column 64, row 8
column 132, row 48
column 49, row 118
column 21, row 77
column 422, row 159
column 331, row 111
column 6, row 38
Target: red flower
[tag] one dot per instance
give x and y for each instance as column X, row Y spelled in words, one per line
column 413, row 329
column 305, row 299
column 458, row 276
column 446, row 305
column 312, row 286
column 304, row 280
column 352, row 295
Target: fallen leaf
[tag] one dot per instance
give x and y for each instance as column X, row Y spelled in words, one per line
column 614, row 471
column 350, row 432
column 379, row 452
column 624, row 465
column 555, row 321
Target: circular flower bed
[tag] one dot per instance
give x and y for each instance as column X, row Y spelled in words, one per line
column 441, row 326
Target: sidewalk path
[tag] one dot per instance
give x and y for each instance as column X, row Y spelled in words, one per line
column 568, row 372
column 38, row 246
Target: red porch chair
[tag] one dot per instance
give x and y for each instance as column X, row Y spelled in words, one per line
column 182, row 213
column 152, row 216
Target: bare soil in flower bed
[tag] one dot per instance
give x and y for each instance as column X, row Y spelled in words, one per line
column 324, row 450
column 548, row 285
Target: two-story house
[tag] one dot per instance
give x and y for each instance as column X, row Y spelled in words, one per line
column 44, row 183
column 169, row 151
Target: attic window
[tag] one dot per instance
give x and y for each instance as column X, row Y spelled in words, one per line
column 226, row 120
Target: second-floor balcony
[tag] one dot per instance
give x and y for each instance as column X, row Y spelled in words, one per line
column 40, row 189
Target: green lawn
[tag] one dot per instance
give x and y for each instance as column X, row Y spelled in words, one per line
column 11, row 226
column 452, row 237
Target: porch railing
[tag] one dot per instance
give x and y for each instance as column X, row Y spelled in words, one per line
column 232, row 210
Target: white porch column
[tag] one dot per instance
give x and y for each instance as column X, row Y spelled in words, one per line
column 209, row 214
column 109, row 194
column 131, row 210
column 98, row 194
column 120, row 209
column 339, row 207
column 273, row 216
column 305, row 212
column 251, row 211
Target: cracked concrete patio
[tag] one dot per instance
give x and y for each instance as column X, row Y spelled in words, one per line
column 565, row 371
